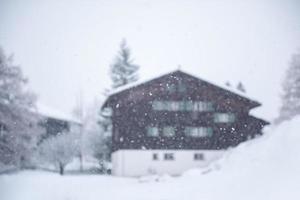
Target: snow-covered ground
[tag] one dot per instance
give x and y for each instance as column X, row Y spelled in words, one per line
column 266, row 168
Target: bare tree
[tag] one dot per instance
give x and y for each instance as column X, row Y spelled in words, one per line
column 60, row 150
column 96, row 139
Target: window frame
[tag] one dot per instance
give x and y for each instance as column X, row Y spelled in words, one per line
column 164, row 134
column 224, row 117
column 169, row 156
column 152, row 128
column 198, row 132
column 183, row 106
column 155, row 157
column 199, row 157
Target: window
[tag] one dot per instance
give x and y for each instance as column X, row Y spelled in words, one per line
column 198, row 156
column 2, row 129
column 152, row 131
column 175, row 105
column 158, row 105
column 224, row 117
column 169, row 156
column 168, row 131
column 204, row 106
column 189, row 106
column 155, row 156
column 182, row 106
column 170, row 105
column 170, row 87
column 165, row 105
column 198, row 131
column 181, row 87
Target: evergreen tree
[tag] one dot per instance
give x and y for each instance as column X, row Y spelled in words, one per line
column 18, row 125
column 228, row 84
column 291, row 90
column 241, row 87
column 123, row 71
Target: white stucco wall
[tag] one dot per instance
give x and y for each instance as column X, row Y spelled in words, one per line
column 140, row 162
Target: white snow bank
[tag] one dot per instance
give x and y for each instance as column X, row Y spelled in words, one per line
column 267, row 168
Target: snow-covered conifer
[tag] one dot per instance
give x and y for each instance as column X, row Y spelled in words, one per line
column 291, row 90
column 228, row 84
column 18, row 125
column 123, row 71
column 241, row 87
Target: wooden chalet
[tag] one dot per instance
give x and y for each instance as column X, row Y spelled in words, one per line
column 176, row 121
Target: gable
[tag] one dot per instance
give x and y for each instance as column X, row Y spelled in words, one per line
column 185, row 86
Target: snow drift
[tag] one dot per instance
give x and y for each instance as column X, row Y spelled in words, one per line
column 267, row 167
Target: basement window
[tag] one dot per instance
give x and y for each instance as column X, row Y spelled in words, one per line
column 198, row 156
column 155, row 156
column 169, row 156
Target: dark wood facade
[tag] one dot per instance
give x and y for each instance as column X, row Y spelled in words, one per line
column 55, row 126
column 133, row 113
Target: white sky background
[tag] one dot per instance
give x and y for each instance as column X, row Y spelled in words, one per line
column 67, row 46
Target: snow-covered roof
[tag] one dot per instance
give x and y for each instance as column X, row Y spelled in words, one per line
column 47, row 111
column 142, row 81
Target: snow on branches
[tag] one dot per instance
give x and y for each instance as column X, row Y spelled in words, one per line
column 18, row 125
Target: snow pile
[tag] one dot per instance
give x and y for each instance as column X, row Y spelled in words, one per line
column 267, row 168
column 155, row 178
column 277, row 152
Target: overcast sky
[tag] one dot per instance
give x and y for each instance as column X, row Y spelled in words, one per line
column 65, row 47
